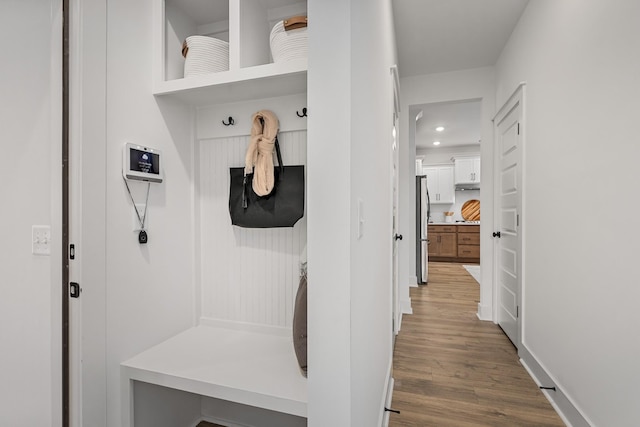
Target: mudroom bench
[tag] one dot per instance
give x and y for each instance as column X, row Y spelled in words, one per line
column 222, row 375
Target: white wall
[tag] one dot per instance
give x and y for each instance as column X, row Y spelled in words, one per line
column 30, row 172
column 453, row 86
column 246, row 275
column 581, row 62
column 329, row 201
column 373, row 53
column 149, row 289
column 349, row 278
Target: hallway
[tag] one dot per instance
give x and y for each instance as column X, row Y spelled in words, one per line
column 452, row 369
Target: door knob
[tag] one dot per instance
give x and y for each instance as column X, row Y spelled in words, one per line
column 496, row 234
column 398, row 237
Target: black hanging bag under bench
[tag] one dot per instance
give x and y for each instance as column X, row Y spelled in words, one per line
column 283, row 207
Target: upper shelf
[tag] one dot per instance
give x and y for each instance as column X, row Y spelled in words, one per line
column 260, row 81
column 246, row 25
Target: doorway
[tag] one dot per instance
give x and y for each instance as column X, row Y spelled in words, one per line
column 448, row 136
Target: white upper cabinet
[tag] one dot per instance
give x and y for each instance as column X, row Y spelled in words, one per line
column 246, row 25
column 467, row 170
column 440, row 184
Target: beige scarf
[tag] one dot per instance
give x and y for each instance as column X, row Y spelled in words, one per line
column 259, row 157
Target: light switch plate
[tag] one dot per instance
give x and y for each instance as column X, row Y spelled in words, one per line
column 41, row 240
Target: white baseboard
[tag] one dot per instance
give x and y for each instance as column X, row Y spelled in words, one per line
column 413, row 281
column 562, row 404
column 405, row 306
column 484, row 312
column 386, row 403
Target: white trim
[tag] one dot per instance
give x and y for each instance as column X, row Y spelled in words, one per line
column 566, row 408
column 75, row 211
column 406, row 306
column 387, row 396
column 413, row 282
column 484, row 312
column 509, row 100
column 396, row 91
column 55, row 213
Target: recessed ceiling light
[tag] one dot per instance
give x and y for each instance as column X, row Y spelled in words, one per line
column 436, row 142
column 439, row 128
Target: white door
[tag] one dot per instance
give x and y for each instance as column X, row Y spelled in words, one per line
column 508, row 149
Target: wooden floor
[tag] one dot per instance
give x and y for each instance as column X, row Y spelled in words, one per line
column 452, row 369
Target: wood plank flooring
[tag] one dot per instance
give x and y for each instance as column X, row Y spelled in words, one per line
column 452, row 369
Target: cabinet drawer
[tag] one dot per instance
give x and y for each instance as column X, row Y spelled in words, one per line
column 468, row 251
column 468, row 229
column 442, row 229
column 468, row 238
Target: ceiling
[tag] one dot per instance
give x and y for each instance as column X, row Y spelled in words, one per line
column 461, row 121
column 436, row 36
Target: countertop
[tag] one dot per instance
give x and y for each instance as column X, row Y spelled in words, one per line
column 454, row 223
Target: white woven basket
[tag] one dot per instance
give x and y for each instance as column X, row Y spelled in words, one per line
column 204, row 55
column 288, row 45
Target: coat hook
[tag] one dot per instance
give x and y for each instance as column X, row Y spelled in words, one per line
column 231, row 122
column 304, row 112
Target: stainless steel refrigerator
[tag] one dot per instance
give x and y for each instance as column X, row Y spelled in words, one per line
column 423, row 213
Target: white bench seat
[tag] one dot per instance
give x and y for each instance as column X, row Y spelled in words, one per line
column 249, row 368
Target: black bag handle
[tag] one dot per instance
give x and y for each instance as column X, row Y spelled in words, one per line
column 279, row 155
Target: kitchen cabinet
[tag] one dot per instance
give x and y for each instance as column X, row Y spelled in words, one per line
column 469, row 243
column 454, row 243
column 467, row 170
column 442, row 241
column 246, row 25
column 440, row 183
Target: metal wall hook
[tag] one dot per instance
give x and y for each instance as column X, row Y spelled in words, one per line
column 304, row 112
column 231, row 122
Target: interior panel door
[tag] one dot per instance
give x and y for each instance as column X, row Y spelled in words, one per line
column 509, row 252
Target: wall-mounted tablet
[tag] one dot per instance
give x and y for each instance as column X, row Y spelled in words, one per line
column 142, row 163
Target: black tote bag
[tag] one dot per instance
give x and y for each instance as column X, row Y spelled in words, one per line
column 283, row 207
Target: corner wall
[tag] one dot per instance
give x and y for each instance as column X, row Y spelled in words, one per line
column 349, row 159
column 581, row 62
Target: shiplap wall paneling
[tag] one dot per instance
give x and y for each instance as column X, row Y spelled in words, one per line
column 247, row 275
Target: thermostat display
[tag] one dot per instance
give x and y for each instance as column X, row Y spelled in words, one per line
column 142, row 163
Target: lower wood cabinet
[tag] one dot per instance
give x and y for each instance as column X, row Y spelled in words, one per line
column 454, row 243
column 443, row 241
column 469, row 242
